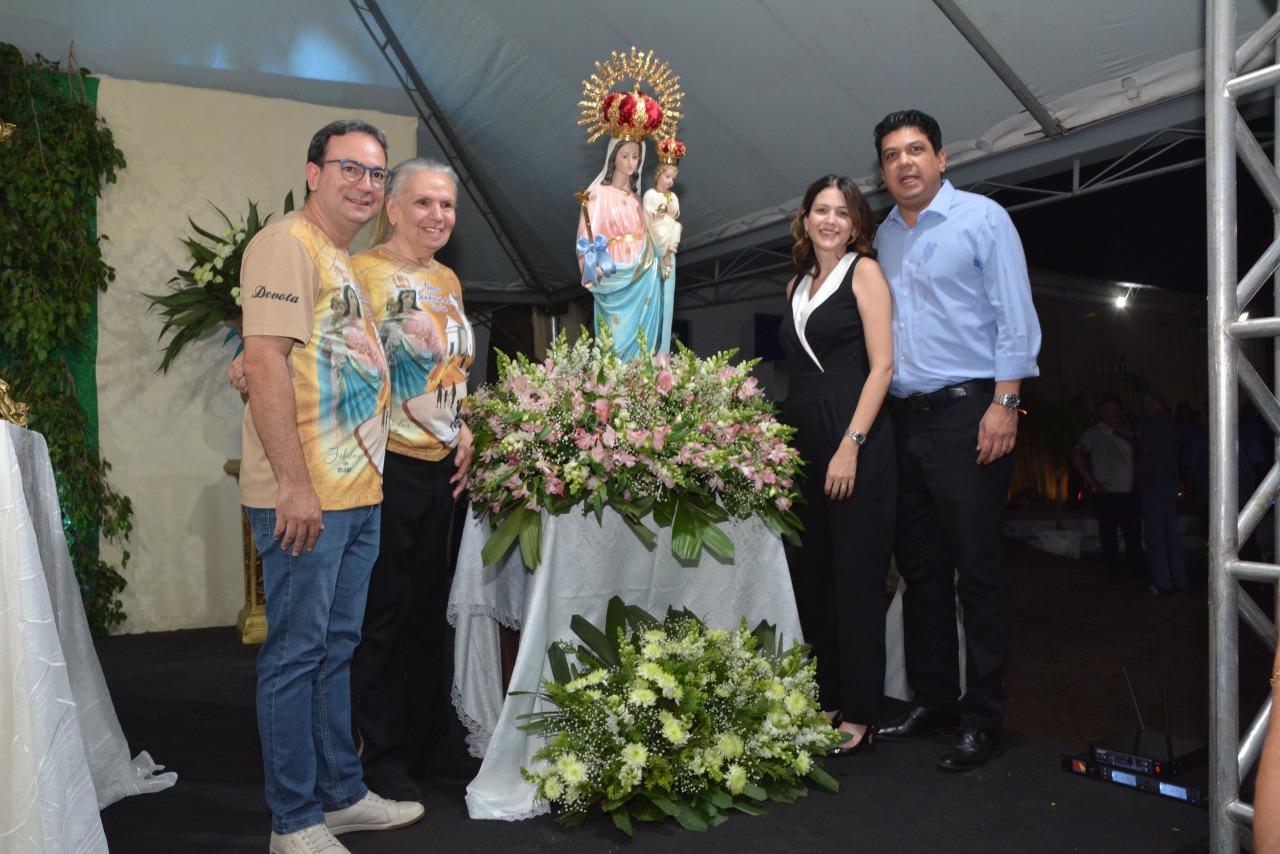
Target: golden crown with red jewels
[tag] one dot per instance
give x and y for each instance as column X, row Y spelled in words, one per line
column 670, row 151
column 636, row 114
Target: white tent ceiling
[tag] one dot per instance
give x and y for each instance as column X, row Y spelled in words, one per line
column 777, row 92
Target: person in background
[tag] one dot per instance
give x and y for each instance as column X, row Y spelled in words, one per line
column 1104, row 458
column 1156, row 479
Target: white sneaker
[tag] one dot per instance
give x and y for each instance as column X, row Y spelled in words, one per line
column 373, row 812
column 316, row 839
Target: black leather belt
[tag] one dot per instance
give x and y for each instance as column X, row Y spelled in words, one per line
column 923, row 401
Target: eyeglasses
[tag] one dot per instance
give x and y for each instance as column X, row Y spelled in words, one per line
column 353, row 170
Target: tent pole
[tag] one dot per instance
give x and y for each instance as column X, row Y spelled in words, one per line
column 428, row 109
column 974, row 36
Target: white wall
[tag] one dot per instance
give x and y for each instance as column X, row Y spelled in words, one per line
column 168, row 436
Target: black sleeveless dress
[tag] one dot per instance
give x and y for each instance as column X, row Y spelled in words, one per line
column 839, row 572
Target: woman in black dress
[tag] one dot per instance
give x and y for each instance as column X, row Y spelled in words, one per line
column 837, row 335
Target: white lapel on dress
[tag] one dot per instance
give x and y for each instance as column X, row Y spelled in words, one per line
column 802, row 306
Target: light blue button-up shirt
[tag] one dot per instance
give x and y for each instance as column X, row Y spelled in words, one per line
column 961, row 296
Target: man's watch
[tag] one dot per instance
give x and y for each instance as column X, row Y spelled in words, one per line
column 1008, row 401
column 859, row 439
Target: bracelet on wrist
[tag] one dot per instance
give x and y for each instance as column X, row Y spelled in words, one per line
column 857, row 438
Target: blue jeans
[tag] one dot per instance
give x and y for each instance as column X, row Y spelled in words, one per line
column 315, row 606
column 1164, row 543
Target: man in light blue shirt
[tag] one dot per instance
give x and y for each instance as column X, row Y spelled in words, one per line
column 965, row 335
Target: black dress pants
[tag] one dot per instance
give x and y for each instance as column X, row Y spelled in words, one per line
column 948, row 542
column 839, row 571
column 402, row 672
column 1119, row 511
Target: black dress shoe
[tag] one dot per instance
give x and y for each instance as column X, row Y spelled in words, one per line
column 917, row 722
column 971, row 749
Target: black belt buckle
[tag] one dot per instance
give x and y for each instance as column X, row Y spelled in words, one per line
column 923, row 401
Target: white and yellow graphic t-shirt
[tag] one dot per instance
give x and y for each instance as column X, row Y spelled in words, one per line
column 297, row 284
column 429, row 345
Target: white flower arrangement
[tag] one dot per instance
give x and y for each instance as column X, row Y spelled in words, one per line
column 677, row 719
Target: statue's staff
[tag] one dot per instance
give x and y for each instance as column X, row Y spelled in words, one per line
column 593, row 250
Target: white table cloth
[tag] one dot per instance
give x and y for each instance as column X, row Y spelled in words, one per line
column 63, row 756
column 583, row 565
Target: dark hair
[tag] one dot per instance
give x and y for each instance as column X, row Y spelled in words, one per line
column 924, row 122
column 613, row 159
column 1109, row 397
column 413, row 300
column 342, row 127
column 803, row 257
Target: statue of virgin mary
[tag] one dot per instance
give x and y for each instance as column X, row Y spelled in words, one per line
column 619, row 260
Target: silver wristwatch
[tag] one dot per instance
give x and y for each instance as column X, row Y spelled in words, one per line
column 858, row 438
column 1008, row 401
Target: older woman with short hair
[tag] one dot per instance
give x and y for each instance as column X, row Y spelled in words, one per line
column 400, row 676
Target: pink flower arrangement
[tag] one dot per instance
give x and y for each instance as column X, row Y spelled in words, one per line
column 673, row 439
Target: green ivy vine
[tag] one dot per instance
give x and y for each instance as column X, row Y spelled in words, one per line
column 54, row 167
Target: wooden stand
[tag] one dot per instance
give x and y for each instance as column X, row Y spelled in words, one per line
column 252, row 620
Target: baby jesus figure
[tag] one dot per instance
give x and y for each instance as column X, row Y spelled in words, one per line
column 662, row 207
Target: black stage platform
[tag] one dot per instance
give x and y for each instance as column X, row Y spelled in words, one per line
column 187, row 697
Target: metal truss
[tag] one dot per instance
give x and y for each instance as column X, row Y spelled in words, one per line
column 1163, row 151
column 402, row 66
column 1148, row 158
column 755, row 267
column 1228, row 137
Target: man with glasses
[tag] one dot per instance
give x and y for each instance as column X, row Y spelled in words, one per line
column 314, row 436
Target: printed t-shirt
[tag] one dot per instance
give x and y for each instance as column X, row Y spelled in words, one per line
column 297, row 284
column 429, row 345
